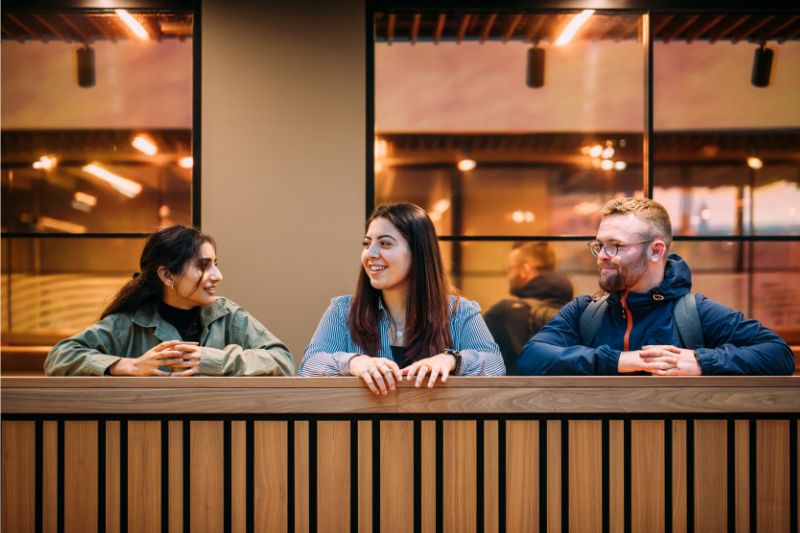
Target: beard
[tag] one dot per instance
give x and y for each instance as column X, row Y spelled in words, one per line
column 624, row 276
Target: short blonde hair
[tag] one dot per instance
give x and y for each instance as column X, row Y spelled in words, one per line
column 539, row 253
column 649, row 211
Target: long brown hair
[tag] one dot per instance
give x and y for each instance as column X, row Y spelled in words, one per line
column 171, row 247
column 427, row 309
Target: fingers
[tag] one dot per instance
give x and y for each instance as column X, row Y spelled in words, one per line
column 166, row 345
column 379, row 381
column 388, row 374
column 189, row 372
column 366, row 377
column 434, row 375
column 395, row 369
column 422, row 371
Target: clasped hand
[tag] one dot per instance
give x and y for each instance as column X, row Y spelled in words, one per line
column 382, row 375
column 660, row 360
column 181, row 356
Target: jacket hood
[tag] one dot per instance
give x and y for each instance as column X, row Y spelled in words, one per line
column 547, row 286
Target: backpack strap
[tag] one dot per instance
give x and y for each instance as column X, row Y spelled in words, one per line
column 591, row 318
column 687, row 320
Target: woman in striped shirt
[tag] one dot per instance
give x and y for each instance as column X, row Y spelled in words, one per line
column 404, row 319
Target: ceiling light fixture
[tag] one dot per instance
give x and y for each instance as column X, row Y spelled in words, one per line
column 762, row 66
column 755, row 163
column 46, row 162
column 573, row 27
column 85, row 57
column 535, row 70
column 122, row 185
column 466, row 164
column 186, row 162
column 145, row 145
column 135, row 26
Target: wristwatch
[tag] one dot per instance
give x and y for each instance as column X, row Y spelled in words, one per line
column 457, row 355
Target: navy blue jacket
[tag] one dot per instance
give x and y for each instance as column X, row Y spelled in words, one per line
column 732, row 343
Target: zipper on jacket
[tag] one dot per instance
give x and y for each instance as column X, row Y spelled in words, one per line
column 626, row 313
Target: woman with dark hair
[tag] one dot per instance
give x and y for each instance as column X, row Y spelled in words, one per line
column 168, row 320
column 404, row 318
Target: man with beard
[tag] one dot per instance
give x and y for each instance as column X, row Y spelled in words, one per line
column 637, row 328
column 539, row 293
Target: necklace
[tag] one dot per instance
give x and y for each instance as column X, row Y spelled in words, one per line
column 398, row 329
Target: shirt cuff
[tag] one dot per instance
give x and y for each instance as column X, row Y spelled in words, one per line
column 212, row 361
column 98, row 364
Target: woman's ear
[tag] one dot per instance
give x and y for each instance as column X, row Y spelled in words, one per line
column 165, row 276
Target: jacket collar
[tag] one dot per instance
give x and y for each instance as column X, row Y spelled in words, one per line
column 147, row 317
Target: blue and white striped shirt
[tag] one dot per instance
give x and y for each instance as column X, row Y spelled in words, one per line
column 331, row 348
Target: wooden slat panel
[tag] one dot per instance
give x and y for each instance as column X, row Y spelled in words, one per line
column 742, row 482
column 428, row 494
column 364, row 476
column 333, row 475
column 175, row 476
column 239, row 476
column 772, row 449
column 49, row 476
column 554, row 476
column 397, row 475
column 19, row 476
column 301, row 476
column 80, row 476
column 460, row 469
column 112, row 477
column 585, row 475
column 522, row 475
column 647, row 475
column 144, row 475
column 490, row 476
column 616, row 475
column 270, row 473
column 678, row 476
column 206, row 464
column 710, row 475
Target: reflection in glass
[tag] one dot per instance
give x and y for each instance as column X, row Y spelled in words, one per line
column 96, row 119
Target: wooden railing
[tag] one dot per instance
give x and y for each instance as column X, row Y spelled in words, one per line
column 477, row 454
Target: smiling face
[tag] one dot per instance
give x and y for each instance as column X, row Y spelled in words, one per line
column 628, row 270
column 386, row 256
column 197, row 284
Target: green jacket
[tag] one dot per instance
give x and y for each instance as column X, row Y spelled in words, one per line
column 232, row 341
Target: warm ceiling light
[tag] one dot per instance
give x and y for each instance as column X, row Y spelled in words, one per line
column 573, row 27
column 85, row 198
column 465, row 165
column 755, row 163
column 124, row 186
column 620, row 165
column 135, row 26
column 186, row 162
column 60, row 225
column 381, row 148
column 145, row 145
column 606, row 164
column 595, row 150
column 46, row 162
column 607, row 153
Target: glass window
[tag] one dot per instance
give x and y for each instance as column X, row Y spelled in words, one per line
column 96, row 121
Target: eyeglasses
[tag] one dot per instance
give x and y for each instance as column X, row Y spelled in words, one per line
column 611, row 249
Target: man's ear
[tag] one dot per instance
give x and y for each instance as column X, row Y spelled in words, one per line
column 165, row 276
column 657, row 250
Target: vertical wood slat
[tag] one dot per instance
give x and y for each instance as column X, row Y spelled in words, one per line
column 460, row 490
column 270, row 473
column 301, row 524
column 144, row 475
column 491, row 480
column 710, row 475
column 428, row 493
column 772, row 491
column 522, row 475
column 678, row 476
column 112, row 477
column 742, row 482
column 49, row 475
column 80, row 476
column 206, row 468
column 647, row 476
column 397, row 475
column 585, row 475
column 333, row 475
column 175, row 453
column 365, row 476
column 239, row 476
column 19, row 476
column 616, row 475
column 554, row 476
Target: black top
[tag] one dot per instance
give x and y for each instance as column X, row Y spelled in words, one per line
column 399, row 356
column 186, row 321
